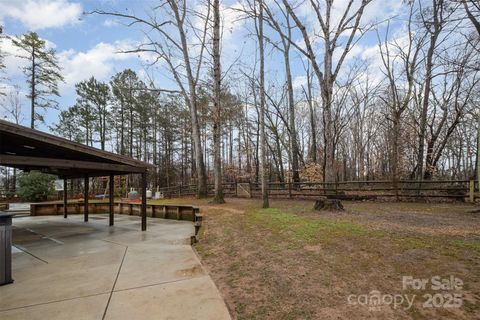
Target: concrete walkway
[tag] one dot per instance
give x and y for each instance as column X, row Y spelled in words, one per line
column 68, row 269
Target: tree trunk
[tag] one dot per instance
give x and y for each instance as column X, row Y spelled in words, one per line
column 395, row 152
column 122, row 126
column 263, row 150
column 429, row 166
column 218, row 197
column 32, row 92
column 313, row 125
column 436, row 25
column 477, row 166
column 327, row 92
column 192, row 102
column 291, row 109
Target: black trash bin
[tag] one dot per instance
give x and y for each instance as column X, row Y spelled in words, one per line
column 6, row 248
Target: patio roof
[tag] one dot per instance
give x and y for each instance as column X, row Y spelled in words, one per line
column 28, row 149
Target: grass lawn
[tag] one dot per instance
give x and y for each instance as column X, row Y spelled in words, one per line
column 290, row 262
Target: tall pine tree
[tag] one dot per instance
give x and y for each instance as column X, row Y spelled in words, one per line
column 96, row 94
column 2, row 61
column 42, row 73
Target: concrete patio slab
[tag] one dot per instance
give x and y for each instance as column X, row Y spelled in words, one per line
column 68, row 269
column 61, row 310
column 183, row 299
column 175, row 261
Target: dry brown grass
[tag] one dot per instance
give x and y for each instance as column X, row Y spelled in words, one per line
column 290, row 262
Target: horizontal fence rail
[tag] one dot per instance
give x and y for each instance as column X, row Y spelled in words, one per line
column 353, row 190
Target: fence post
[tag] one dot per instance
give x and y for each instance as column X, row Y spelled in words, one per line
column 472, row 190
column 289, row 189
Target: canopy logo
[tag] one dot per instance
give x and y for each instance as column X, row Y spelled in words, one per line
column 375, row 300
column 445, row 294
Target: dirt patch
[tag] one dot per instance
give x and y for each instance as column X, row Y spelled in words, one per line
column 290, row 262
column 196, row 270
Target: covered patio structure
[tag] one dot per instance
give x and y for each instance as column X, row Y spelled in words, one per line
column 28, row 149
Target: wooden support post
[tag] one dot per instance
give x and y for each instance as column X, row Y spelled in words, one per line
column 144, row 201
column 478, row 151
column 110, row 199
column 85, row 199
column 289, row 189
column 72, row 193
column 472, row 190
column 65, row 195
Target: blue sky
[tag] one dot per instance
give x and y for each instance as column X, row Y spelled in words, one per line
column 87, row 45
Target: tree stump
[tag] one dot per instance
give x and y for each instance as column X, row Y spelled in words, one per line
column 328, row 204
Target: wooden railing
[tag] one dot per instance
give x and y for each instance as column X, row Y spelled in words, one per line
column 155, row 210
column 354, row 190
column 229, row 189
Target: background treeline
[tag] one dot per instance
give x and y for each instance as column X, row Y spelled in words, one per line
column 405, row 107
column 131, row 118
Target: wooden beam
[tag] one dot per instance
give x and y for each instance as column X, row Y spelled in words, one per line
column 85, row 199
column 65, row 196
column 76, row 174
column 14, row 129
column 110, row 198
column 34, row 162
column 144, row 201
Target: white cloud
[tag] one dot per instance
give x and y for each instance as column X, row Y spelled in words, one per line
column 299, row 81
column 110, row 23
column 98, row 62
column 14, row 64
column 41, row 14
column 231, row 20
column 379, row 10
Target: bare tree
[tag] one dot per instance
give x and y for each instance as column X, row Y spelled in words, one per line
column 258, row 7
column 13, row 105
column 400, row 67
column 286, row 39
column 434, row 25
column 472, row 8
column 217, row 108
column 347, row 25
column 173, row 47
column 311, row 101
column 451, row 100
column 13, row 110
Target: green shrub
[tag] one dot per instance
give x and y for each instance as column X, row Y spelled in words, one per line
column 35, row 186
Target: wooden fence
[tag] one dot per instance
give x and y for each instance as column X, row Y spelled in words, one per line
column 349, row 190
